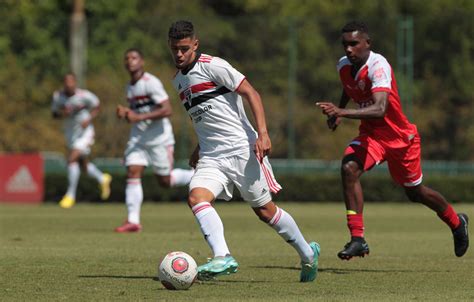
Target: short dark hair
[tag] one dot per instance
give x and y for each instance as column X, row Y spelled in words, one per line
column 181, row 29
column 355, row 26
column 134, row 49
column 69, row 73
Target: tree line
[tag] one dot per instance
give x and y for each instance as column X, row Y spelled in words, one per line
column 257, row 37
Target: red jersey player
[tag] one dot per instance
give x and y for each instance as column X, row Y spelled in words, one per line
column 385, row 134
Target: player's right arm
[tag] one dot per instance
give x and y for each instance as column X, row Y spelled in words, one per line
column 161, row 111
column 57, row 109
column 263, row 145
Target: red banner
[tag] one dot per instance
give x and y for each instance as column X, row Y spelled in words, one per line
column 21, row 178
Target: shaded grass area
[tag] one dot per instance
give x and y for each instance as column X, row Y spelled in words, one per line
column 51, row 254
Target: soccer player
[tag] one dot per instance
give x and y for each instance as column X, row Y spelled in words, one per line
column 151, row 139
column 385, row 134
column 229, row 153
column 78, row 107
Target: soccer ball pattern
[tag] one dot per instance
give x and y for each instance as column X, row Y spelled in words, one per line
column 178, row 270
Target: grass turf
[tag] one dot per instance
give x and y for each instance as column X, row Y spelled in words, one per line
column 51, row 254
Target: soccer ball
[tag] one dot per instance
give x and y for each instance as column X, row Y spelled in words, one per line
column 178, row 270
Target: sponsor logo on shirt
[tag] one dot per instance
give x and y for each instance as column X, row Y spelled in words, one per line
column 196, row 115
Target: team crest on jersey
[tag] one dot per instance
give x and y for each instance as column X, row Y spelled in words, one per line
column 188, row 95
column 361, row 84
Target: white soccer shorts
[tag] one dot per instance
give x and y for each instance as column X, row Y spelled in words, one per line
column 84, row 142
column 159, row 157
column 253, row 179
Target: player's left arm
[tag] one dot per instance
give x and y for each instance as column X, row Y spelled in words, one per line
column 263, row 146
column 93, row 106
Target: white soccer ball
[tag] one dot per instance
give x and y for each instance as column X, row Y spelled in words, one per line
column 178, row 270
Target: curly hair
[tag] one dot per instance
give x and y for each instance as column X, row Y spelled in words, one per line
column 355, row 26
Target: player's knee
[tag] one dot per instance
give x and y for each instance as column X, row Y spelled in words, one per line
column 264, row 216
column 133, row 172
column 350, row 170
column 194, row 200
column 413, row 194
column 265, row 213
column 164, row 182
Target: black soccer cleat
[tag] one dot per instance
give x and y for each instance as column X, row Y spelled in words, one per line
column 461, row 236
column 357, row 247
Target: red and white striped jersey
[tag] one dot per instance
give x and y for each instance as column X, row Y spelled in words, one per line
column 376, row 74
column 208, row 92
column 143, row 97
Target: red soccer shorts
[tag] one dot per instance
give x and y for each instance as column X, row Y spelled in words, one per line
column 404, row 163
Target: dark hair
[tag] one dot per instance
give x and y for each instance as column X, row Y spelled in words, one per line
column 180, row 30
column 355, row 26
column 69, row 73
column 133, row 49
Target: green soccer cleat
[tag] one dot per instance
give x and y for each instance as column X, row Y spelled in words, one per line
column 217, row 266
column 309, row 271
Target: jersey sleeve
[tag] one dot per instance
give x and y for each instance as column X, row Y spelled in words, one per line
column 91, row 100
column 157, row 91
column 380, row 74
column 222, row 73
column 55, row 104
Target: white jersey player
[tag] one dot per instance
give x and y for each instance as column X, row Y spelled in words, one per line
column 151, row 141
column 78, row 107
column 230, row 152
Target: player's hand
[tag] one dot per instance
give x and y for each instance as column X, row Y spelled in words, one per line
column 67, row 110
column 263, row 146
column 132, row 117
column 85, row 124
column 329, row 109
column 333, row 122
column 193, row 160
column 121, row 111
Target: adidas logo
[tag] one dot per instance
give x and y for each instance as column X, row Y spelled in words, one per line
column 21, row 182
column 264, row 191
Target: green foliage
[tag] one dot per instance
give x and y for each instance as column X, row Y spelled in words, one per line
column 254, row 35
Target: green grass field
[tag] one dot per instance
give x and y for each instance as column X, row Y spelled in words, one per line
column 51, row 254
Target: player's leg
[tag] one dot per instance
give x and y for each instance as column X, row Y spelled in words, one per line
column 73, row 175
column 205, row 186
column 255, row 181
column 356, row 161
column 136, row 160
column 458, row 223
column 104, row 179
column 405, row 168
column 162, row 160
column 133, row 200
column 284, row 224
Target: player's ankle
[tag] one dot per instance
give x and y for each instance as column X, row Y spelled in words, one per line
column 357, row 238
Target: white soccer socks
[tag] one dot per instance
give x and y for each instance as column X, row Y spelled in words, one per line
column 93, row 171
column 134, row 199
column 287, row 228
column 181, row 177
column 73, row 174
column 211, row 227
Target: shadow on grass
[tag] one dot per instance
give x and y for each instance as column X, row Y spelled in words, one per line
column 352, row 270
